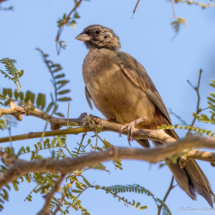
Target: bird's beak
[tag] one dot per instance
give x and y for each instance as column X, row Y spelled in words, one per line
column 83, row 37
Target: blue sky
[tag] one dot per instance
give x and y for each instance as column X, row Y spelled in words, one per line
column 147, row 37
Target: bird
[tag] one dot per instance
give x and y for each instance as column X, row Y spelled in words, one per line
column 123, row 92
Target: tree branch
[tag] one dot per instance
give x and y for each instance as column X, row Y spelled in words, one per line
column 199, row 155
column 19, row 168
column 57, row 123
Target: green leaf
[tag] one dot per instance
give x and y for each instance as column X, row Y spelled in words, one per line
column 62, row 83
column 6, row 103
column 63, row 92
column 19, row 152
column 32, row 156
column 14, row 183
column 2, row 97
column 99, row 166
column 97, row 187
column 76, row 16
column 64, row 99
column 21, row 73
column 7, row 92
column 86, row 181
column 28, row 149
column 76, row 191
column 59, row 114
column 38, row 157
column 204, row 117
column 29, row 96
column 49, row 107
column 28, row 179
column 4, row 194
column 59, row 76
column 138, row 204
column 57, row 66
column 41, row 101
column 211, row 99
column 39, row 145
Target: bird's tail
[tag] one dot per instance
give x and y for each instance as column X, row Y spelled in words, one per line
column 191, row 179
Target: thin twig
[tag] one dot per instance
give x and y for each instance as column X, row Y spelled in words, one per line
column 32, row 135
column 60, row 29
column 135, row 9
column 178, row 117
column 173, row 9
column 167, row 193
column 198, row 110
column 31, row 192
column 66, row 134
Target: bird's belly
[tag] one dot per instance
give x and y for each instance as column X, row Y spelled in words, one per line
column 118, row 99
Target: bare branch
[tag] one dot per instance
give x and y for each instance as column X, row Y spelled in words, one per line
column 19, row 168
column 57, row 123
column 167, row 193
column 135, row 8
column 49, row 196
column 198, row 110
column 32, row 135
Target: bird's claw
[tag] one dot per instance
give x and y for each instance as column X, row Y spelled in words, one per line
column 130, row 132
column 130, row 129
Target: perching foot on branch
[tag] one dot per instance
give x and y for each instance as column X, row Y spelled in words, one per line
column 130, row 127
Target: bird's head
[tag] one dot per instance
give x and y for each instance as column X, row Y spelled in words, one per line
column 98, row 37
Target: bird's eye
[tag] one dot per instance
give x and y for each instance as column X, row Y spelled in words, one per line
column 106, row 37
column 98, row 32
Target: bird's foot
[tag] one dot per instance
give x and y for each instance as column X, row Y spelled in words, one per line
column 130, row 129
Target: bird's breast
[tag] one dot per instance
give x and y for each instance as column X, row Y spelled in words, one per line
column 112, row 92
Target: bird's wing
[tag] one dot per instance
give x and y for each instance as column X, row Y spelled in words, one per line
column 88, row 97
column 138, row 75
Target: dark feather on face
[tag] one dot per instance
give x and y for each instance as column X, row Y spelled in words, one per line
column 97, row 36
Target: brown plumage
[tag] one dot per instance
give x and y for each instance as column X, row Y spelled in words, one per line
column 122, row 91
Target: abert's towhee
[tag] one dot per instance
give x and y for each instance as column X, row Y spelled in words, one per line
column 123, row 92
